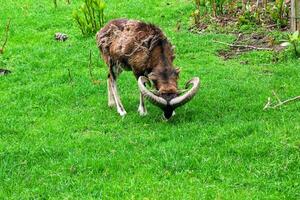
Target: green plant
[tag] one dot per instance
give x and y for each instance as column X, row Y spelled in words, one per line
column 55, row 3
column 196, row 14
column 279, row 13
column 294, row 41
column 216, row 6
column 90, row 16
column 247, row 17
column 264, row 13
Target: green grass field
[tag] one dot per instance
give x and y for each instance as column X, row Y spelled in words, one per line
column 59, row 139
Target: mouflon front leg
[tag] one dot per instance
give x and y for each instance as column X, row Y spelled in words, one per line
column 111, row 100
column 142, row 108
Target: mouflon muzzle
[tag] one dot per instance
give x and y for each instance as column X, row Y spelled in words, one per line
column 169, row 105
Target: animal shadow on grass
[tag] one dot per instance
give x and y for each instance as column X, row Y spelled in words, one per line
column 207, row 111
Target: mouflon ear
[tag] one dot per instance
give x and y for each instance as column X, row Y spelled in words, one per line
column 177, row 70
column 152, row 76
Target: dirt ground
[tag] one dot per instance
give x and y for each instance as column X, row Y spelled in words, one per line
column 249, row 42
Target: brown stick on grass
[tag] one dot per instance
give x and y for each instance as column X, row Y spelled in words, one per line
column 244, row 46
column 5, row 35
column 269, row 104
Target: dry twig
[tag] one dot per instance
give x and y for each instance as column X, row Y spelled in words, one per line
column 269, row 104
column 244, row 46
column 5, row 35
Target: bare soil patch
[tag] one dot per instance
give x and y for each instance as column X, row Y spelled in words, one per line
column 248, row 42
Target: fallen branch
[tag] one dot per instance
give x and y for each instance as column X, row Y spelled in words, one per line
column 5, row 35
column 244, row 46
column 272, row 25
column 269, row 104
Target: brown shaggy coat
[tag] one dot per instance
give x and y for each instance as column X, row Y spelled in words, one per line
column 140, row 47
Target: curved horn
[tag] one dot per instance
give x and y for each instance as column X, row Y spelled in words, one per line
column 181, row 100
column 158, row 101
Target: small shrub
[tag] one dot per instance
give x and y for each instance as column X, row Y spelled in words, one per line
column 294, row 41
column 280, row 13
column 273, row 13
column 90, row 16
column 216, row 7
column 247, row 17
column 196, row 14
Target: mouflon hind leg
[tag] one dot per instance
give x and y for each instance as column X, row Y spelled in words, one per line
column 114, row 92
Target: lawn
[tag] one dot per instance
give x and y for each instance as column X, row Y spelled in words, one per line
column 59, row 139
